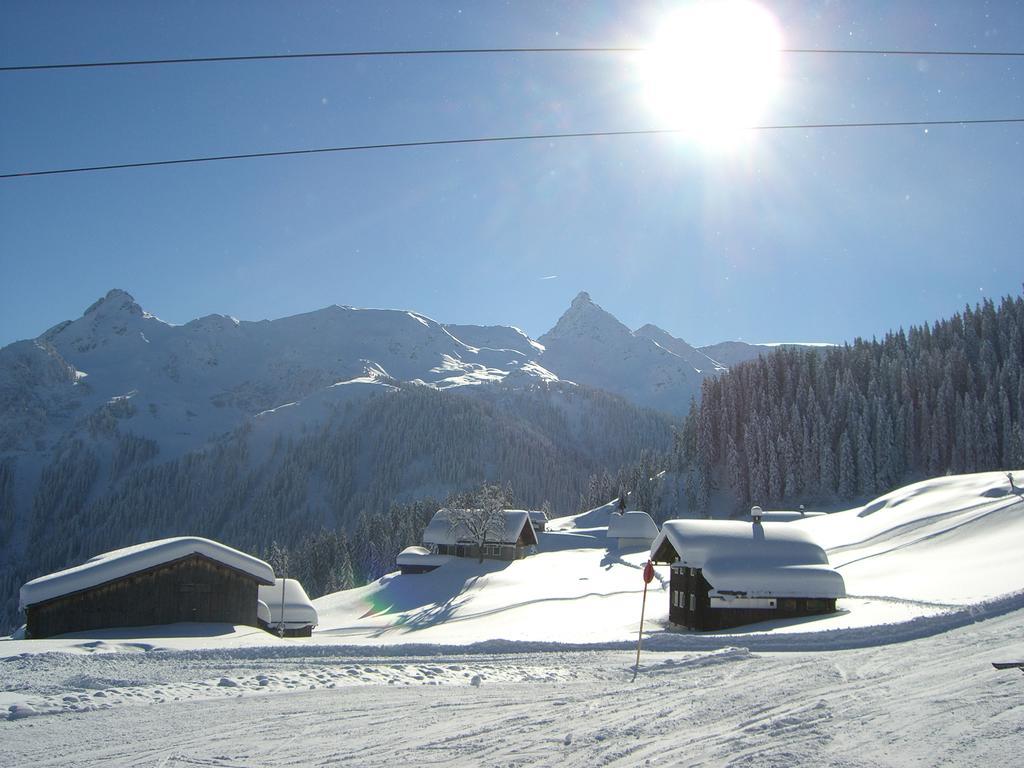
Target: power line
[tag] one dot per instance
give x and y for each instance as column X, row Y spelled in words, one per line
column 493, row 139
column 467, row 51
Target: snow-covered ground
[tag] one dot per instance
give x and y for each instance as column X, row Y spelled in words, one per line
column 530, row 663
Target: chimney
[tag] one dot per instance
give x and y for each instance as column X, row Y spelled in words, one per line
column 755, row 514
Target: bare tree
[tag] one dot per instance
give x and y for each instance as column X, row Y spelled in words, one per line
column 484, row 521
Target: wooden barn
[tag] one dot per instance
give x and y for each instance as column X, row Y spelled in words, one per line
column 511, row 540
column 631, row 529
column 160, row 582
column 419, row 560
column 286, row 601
column 726, row 573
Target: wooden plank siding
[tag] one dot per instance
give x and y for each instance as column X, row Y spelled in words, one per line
column 193, row 588
column 690, row 604
column 508, row 552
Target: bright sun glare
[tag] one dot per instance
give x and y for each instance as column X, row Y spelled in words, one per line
column 712, row 70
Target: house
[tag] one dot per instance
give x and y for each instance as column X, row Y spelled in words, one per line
column 725, row 573
column 510, row 539
column 539, row 518
column 299, row 615
column 419, row 560
column 159, row 582
column 632, row 529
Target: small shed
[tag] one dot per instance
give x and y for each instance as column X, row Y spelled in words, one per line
column 511, row 539
column 299, row 614
column 419, row 560
column 160, row 582
column 632, row 529
column 539, row 519
column 725, row 573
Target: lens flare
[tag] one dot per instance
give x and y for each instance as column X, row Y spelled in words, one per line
column 712, row 70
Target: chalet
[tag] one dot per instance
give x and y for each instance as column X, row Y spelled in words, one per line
column 631, row 529
column 725, row 573
column 159, row 582
column 286, row 602
column 419, row 560
column 510, row 538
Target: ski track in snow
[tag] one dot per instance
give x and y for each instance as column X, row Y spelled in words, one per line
column 936, row 701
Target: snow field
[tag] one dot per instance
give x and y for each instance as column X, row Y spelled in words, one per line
column 529, row 663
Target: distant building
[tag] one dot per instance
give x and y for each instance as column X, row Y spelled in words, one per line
column 159, row 582
column 787, row 516
column 726, row 573
column 539, row 518
column 419, row 560
column 632, row 529
column 511, row 541
column 299, row 614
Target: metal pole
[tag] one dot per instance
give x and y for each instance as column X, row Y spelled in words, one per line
column 280, row 623
column 640, row 634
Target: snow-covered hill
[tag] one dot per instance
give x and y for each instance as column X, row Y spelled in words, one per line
column 920, row 560
column 531, row 663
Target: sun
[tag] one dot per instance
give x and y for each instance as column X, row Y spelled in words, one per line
column 712, row 70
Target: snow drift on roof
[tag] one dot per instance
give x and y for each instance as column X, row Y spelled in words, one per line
column 420, row 556
column 122, row 562
column 787, row 516
column 298, row 609
column 754, row 559
column 439, row 529
column 632, row 525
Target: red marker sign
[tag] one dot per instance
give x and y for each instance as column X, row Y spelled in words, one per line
column 648, row 572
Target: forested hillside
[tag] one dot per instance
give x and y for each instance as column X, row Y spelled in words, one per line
column 339, row 497
column 853, row 421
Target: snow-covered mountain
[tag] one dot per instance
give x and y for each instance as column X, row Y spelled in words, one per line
column 590, row 346
column 182, row 385
column 204, row 378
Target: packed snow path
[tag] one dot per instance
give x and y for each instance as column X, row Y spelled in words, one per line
column 934, row 701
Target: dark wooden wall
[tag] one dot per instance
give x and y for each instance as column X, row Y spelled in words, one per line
column 690, row 605
column 193, row 588
column 508, row 552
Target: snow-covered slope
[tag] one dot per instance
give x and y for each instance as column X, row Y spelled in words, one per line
column 918, row 557
column 532, row 663
column 699, row 360
column 917, row 561
column 730, row 353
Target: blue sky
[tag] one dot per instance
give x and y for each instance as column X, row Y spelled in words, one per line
column 801, row 235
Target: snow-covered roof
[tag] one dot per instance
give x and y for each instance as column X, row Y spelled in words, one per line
column 122, row 562
column 439, row 529
column 298, row 609
column 753, row 559
column 420, row 556
column 538, row 516
column 786, row 516
column 632, row 525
